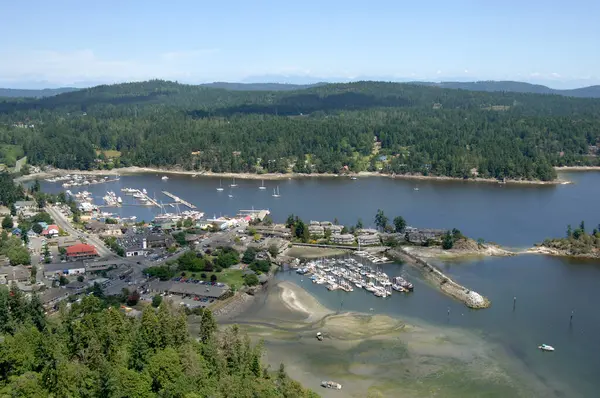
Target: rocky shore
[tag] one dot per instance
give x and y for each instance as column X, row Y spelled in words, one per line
column 461, row 249
column 432, row 274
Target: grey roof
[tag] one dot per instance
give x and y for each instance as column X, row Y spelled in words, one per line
column 76, row 285
column 63, row 266
column 190, row 288
column 53, row 294
column 14, row 273
column 25, row 203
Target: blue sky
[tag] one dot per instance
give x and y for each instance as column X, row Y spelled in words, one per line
column 65, row 42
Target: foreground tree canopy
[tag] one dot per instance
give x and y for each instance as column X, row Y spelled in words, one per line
column 389, row 127
column 93, row 351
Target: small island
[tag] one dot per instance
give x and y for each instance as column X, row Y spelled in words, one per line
column 577, row 243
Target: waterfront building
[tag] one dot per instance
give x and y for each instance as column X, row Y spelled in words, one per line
column 369, row 240
column 345, row 239
column 316, row 231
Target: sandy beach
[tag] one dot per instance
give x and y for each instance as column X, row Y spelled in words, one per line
column 378, row 355
column 277, row 176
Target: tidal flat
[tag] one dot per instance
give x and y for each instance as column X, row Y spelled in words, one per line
column 378, row 355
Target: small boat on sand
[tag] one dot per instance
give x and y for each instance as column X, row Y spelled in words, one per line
column 546, row 347
column 331, row 384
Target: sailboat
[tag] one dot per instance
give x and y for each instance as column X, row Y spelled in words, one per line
column 276, row 192
column 233, row 185
column 220, row 186
column 263, row 185
column 230, row 194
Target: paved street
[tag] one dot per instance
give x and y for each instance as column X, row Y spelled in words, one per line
column 66, row 226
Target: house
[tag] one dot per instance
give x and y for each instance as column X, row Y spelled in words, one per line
column 345, row 239
column 57, row 269
column 95, row 226
column 17, row 231
column 26, row 206
column 51, row 231
column 421, row 236
column 81, row 251
column 51, row 297
column 64, row 241
column 365, row 231
column 16, row 274
column 31, row 233
column 369, row 240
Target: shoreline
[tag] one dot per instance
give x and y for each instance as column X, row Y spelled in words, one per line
column 576, row 168
column 378, row 354
column 133, row 170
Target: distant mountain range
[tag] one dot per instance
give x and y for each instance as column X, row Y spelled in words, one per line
column 46, row 92
column 489, row 86
column 517, row 87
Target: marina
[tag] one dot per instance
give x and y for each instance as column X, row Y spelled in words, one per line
column 348, row 273
column 75, row 180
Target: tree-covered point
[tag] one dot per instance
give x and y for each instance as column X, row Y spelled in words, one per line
column 372, row 126
column 577, row 242
column 93, row 351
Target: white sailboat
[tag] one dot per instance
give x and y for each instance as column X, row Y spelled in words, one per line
column 233, row 185
column 276, row 192
column 220, row 188
column 263, row 185
column 230, row 194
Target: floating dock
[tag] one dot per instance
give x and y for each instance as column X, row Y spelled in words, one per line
column 179, row 200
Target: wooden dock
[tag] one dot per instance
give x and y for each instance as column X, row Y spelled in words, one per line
column 179, row 200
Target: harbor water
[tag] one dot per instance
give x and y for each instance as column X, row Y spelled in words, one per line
column 547, row 289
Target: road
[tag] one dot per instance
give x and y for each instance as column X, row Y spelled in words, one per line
column 66, row 226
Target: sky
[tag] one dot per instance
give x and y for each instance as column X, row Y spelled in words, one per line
column 75, row 43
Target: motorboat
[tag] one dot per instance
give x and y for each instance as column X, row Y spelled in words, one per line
column 546, row 347
column 331, row 384
column 164, row 178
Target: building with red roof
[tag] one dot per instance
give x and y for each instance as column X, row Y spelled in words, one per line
column 81, row 251
column 51, row 231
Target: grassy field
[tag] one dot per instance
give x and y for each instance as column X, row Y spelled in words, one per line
column 10, row 153
column 110, row 154
column 232, row 277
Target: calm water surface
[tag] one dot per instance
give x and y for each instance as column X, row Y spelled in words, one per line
column 547, row 288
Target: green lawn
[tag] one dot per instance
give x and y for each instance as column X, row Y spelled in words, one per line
column 232, row 277
column 9, row 154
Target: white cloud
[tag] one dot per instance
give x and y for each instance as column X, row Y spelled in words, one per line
column 81, row 65
column 466, row 71
column 439, row 72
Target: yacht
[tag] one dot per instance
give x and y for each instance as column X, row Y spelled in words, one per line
column 164, row 178
column 144, row 191
column 119, row 200
column 276, row 192
column 220, row 188
column 263, row 185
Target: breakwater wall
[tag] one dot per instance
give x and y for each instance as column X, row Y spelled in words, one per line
column 470, row 298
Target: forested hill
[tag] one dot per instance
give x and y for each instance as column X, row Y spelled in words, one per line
column 376, row 126
column 519, row 87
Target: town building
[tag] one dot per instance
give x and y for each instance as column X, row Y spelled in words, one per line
column 9, row 274
column 421, row 236
column 81, row 251
column 51, row 231
column 159, row 240
column 26, row 207
column 52, row 297
column 112, row 230
column 76, row 287
column 56, row 269
column 189, row 290
column 137, row 249
column 102, row 265
column 342, row 239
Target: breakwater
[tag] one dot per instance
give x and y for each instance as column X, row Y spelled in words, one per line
column 432, row 274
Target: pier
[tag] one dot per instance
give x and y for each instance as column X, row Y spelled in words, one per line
column 179, row 200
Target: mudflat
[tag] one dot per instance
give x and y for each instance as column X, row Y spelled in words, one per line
column 375, row 355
